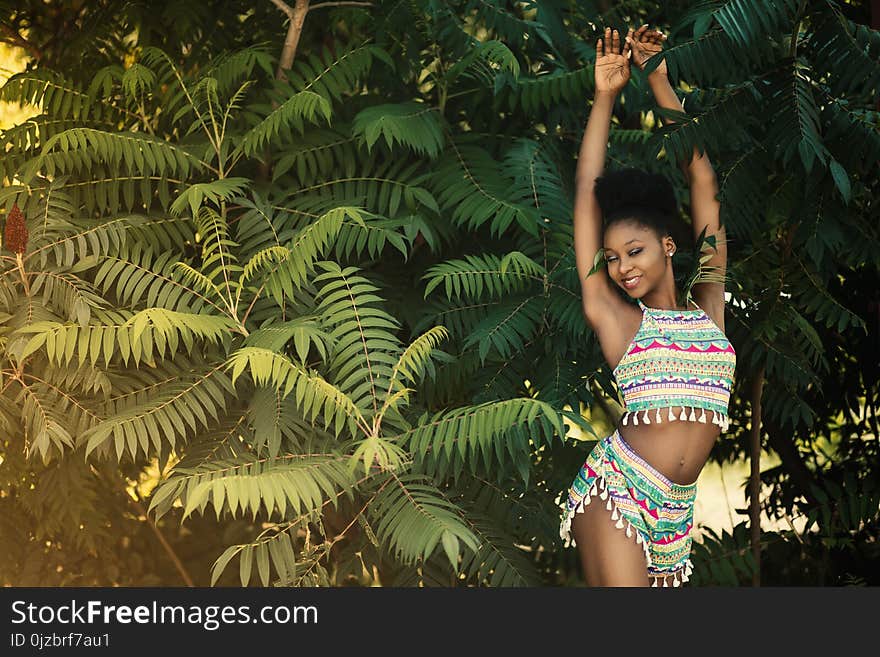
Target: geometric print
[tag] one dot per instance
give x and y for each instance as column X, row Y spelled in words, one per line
column 655, row 511
column 676, row 358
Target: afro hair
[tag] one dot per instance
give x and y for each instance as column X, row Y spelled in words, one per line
column 634, row 194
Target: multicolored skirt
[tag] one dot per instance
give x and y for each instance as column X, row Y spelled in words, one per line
column 655, row 511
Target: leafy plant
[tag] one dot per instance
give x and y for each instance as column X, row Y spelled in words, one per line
column 200, row 312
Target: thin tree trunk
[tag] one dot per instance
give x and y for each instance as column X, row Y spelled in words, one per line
column 755, row 477
column 297, row 16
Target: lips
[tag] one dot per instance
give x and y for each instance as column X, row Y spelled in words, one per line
column 631, row 284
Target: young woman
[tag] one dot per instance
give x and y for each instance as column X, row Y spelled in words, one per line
column 630, row 507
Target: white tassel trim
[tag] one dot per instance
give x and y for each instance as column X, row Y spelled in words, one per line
column 717, row 418
column 679, row 577
column 565, row 526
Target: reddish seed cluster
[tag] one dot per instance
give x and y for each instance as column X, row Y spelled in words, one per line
column 16, row 234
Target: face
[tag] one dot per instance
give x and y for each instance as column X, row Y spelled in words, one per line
column 633, row 251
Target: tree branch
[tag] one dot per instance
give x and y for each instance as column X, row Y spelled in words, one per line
column 16, row 39
column 297, row 16
column 136, row 502
column 283, row 6
column 340, row 4
column 178, row 564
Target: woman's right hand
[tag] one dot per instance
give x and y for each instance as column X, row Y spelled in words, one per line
column 612, row 67
column 645, row 44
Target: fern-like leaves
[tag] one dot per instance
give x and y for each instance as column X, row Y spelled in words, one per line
column 414, row 125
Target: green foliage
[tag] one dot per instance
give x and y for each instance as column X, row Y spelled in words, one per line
column 723, row 559
column 413, row 517
column 208, row 320
column 300, row 482
column 411, row 124
column 492, row 431
column 845, row 510
column 472, row 189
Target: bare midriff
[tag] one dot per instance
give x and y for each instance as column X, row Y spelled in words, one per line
column 677, row 449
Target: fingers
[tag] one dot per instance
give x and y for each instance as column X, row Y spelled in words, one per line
column 658, row 37
column 611, row 41
column 644, row 35
column 603, row 46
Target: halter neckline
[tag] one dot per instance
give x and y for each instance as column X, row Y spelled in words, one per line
column 671, row 310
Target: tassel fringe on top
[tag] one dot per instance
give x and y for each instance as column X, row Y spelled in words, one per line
column 719, row 419
column 676, row 358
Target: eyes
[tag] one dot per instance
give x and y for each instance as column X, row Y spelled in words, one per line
column 632, row 253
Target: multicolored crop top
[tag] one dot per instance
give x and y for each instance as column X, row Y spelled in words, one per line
column 676, row 358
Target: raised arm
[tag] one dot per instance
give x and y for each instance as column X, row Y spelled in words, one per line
column 611, row 74
column 705, row 208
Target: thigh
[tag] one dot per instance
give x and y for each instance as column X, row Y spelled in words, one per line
column 671, row 536
column 608, row 556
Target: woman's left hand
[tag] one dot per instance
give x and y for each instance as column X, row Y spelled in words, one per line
column 645, row 44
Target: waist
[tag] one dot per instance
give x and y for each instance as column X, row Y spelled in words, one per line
column 679, row 452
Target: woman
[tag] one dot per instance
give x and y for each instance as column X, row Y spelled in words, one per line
column 674, row 365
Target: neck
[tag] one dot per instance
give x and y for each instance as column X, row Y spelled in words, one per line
column 663, row 305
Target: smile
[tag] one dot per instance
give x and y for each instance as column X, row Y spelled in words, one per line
column 630, row 283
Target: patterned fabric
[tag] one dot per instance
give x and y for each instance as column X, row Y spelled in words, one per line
column 655, row 511
column 676, row 358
